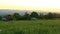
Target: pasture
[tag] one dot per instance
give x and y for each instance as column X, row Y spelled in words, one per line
column 30, row 27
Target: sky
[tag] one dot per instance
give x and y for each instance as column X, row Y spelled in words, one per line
column 45, row 5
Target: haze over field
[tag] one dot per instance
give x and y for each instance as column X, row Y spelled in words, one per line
column 43, row 5
column 4, row 12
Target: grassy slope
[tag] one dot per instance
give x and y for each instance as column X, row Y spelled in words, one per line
column 30, row 27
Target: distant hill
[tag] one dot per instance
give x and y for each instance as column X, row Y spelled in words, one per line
column 21, row 12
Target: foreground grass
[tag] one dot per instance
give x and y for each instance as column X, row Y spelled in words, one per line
column 30, row 27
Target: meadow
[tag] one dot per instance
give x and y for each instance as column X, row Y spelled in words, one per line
column 30, row 27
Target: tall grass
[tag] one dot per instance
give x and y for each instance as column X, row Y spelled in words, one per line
column 30, row 27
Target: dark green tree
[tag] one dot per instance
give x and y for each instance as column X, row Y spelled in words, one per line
column 0, row 17
column 26, row 16
column 16, row 16
column 34, row 14
column 45, row 16
column 55, row 15
column 50, row 15
column 41, row 16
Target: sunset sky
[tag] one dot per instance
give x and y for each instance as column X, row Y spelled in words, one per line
column 45, row 5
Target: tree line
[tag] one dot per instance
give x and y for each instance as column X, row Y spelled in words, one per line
column 26, row 16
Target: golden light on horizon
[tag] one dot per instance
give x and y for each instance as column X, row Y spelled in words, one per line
column 45, row 5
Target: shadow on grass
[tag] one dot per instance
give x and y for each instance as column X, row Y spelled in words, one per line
column 42, row 31
column 19, row 32
column 13, row 32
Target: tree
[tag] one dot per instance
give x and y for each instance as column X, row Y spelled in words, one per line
column 50, row 15
column 41, row 16
column 34, row 14
column 55, row 15
column 16, row 16
column 0, row 17
column 26, row 16
column 45, row 16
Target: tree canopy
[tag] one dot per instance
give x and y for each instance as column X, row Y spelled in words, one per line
column 34, row 14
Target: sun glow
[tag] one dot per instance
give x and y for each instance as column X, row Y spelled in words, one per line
column 46, row 5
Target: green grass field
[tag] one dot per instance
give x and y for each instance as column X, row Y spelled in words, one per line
column 30, row 27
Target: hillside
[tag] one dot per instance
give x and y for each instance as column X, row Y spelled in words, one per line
column 21, row 12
